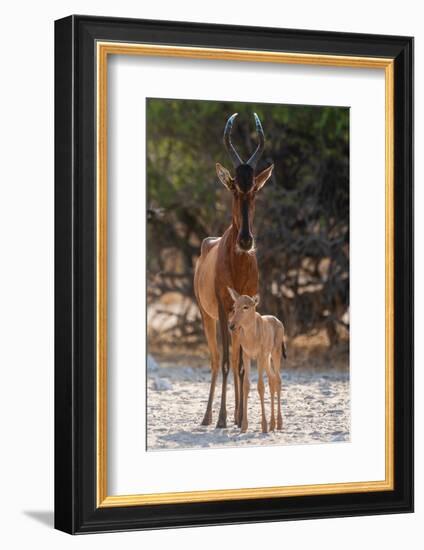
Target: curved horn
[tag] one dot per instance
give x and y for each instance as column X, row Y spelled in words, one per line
column 260, row 148
column 227, row 142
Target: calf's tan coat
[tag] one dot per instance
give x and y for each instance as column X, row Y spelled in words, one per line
column 261, row 337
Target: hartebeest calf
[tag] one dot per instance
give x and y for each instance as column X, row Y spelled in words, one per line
column 226, row 261
column 262, row 338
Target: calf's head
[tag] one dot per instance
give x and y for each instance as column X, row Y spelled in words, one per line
column 244, row 185
column 243, row 311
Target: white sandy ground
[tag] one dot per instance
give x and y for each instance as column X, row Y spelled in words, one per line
column 315, row 408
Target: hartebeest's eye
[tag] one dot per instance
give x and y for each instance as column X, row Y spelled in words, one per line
column 245, row 308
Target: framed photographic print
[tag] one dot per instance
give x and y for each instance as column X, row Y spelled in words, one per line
column 234, row 274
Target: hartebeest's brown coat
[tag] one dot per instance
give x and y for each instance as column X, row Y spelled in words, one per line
column 230, row 261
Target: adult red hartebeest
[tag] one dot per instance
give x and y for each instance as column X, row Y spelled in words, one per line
column 230, row 261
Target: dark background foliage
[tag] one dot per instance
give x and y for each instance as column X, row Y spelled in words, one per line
column 301, row 223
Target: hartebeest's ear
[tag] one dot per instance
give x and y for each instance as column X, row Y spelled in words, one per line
column 234, row 294
column 256, row 299
column 263, row 177
column 224, row 176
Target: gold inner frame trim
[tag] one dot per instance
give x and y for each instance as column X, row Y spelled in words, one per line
column 103, row 50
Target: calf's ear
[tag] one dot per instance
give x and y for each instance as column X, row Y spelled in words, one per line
column 234, row 294
column 256, row 299
column 224, row 176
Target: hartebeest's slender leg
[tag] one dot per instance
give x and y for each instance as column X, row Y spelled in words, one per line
column 209, row 326
column 241, row 379
column 246, row 389
column 225, row 363
column 235, row 359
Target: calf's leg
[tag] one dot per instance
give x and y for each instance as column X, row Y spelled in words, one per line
column 261, row 391
column 276, row 362
column 272, row 381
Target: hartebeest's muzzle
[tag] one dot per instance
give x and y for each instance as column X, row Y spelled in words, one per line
column 246, row 243
column 245, row 237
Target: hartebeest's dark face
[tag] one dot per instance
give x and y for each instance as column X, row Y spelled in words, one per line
column 244, row 186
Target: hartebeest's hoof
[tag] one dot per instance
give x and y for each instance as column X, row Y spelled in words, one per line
column 207, row 419
column 239, row 418
column 222, row 422
column 264, row 427
column 280, row 424
column 272, row 425
column 243, row 429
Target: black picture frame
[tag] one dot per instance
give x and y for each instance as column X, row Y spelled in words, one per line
column 76, row 510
